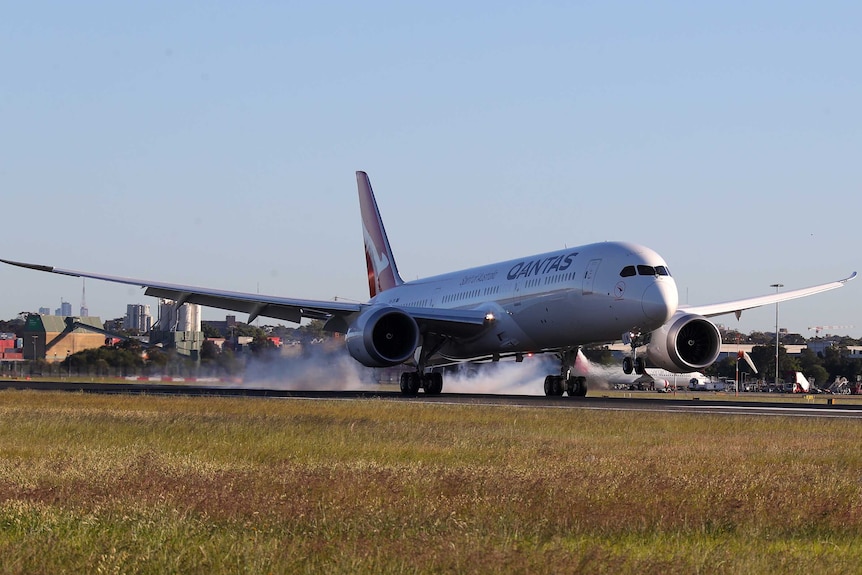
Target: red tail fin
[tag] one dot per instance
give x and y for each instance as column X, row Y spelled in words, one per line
column 382, row 271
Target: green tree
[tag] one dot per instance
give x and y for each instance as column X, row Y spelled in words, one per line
column 15, row 326
column 312, row 330
column 792, row 339
column 812, row 367
column 724, row 368
column 837, row 361
column 261, row 345
column 760, row 338
column 211, row 332
column 245, row 330
column 102, row 366
column 229, row 363
column 157, row 358
column 763, row 357
column 209, row 351
column 98, row 360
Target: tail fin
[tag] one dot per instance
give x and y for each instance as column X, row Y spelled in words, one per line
column 382, row 271
column 801, row 385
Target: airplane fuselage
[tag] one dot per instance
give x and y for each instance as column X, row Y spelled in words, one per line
column 556, row 299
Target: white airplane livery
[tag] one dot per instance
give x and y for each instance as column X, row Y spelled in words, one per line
column 547, row 303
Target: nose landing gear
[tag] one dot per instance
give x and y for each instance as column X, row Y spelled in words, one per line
column 633, row 362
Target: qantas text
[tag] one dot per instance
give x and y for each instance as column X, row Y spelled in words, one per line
column 539, row 267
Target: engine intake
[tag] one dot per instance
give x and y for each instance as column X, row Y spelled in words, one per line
column 382, row 336
column 686, row 343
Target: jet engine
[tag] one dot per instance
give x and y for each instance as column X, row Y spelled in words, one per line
column 686, row 343
column 382, row 336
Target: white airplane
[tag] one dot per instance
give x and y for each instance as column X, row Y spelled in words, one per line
column 547, row 303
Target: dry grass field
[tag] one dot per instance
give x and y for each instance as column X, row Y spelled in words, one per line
column 131, row 484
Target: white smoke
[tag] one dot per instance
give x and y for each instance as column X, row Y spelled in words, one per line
column 527, row 377
column 598, row 376
column 504, row 378
column 315, row 369
column 320, row 369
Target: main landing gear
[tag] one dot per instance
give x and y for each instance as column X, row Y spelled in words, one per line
column 432, row 381
column 575, row 386
column 413, row 381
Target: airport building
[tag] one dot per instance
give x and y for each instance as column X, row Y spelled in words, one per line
column 53, row 338
column 179, row 328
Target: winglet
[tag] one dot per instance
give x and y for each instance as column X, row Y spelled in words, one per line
column 37, row 267
column 382, row 271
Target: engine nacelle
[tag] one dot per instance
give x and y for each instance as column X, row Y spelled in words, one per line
column 382, row 336
column 686, row 343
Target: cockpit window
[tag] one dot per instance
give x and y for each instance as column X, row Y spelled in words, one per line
column 644, row 270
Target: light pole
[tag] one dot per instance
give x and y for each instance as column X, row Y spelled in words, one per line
column 777, row 288
column 32, row 363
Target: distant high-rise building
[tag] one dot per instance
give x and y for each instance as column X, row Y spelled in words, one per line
column 65, row 309
column 138, row 317
column 44, row 311
column 85, row 311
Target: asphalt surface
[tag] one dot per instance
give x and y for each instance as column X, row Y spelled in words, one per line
column 824, row 406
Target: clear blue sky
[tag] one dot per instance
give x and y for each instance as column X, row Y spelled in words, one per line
column 215, row 143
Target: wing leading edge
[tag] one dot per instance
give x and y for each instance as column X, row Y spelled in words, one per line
column 738, row 306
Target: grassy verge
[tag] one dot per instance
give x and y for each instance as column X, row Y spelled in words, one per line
column 116, row 484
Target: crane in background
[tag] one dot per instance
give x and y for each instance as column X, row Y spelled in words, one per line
column 818, row 328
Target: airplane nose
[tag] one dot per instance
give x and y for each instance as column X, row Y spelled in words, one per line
column 660, row 300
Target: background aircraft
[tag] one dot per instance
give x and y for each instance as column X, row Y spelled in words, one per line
column 552, row 302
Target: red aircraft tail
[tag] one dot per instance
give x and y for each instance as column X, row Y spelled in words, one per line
column 382, row 271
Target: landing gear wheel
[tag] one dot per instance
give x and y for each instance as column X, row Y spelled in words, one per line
column 433, row 383
column 576, row 386
column 410, row 383
column 628, row 365
column 549, row 385
column 554, row 385
column 640, row 366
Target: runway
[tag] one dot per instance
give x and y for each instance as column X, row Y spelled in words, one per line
column 823, row 407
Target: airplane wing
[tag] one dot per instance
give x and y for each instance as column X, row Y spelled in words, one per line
column 255, row 305
column 738, row 306
column 449, row 321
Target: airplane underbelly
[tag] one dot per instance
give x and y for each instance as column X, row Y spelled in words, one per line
column 576, row 320
column 560, row 320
